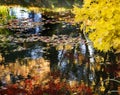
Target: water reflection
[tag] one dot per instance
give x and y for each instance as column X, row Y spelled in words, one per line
column 83, row 47
column 19, row 12
column 25, row 20
column 36, row 52
column 36, row 70
column 37, row 18
column 74, row 64
column 32, row 66
column 71, row 64
column 21, row 51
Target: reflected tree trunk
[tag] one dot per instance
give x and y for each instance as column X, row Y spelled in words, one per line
column 90, row 57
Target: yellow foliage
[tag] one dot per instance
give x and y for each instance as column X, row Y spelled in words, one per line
column 60, row 47
column 68, row 47
column 3, row 14
column 104, row 20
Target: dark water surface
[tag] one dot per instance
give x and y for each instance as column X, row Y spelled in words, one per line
column 22, row 56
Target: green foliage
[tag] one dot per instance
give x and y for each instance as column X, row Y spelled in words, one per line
column 5, row 31
column 4, row 15
column 102, row 21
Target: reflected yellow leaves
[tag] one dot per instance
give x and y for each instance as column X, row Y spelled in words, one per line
column 102, row 88
column 68, row 47
column 38, row 69
column 73, row 83
column 1, row 58
column 59, row 47
column 64, row 47
column 99, row 60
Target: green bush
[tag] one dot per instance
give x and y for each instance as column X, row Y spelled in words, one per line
column 4, row 17
column 4, row 14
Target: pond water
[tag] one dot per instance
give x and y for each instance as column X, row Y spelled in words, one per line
column 21, row 60
column 35, row 50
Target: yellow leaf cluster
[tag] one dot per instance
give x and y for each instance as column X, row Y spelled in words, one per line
column 104, row 20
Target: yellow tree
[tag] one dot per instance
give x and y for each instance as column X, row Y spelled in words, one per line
column 102, row 21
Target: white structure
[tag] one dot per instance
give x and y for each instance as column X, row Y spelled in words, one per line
column 19, row 12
